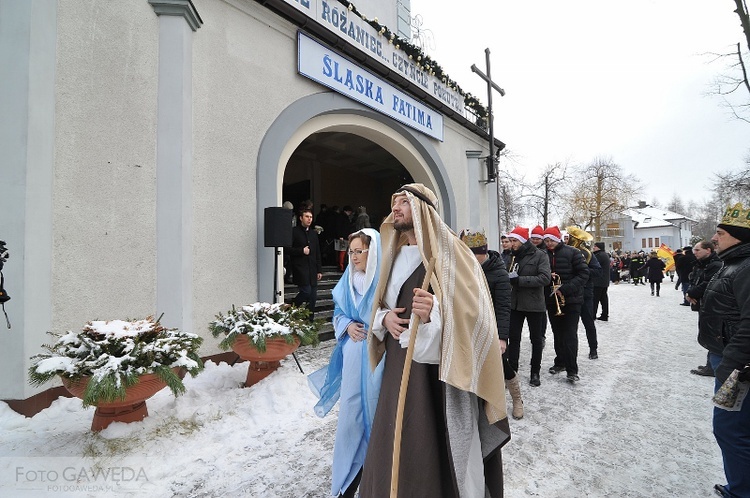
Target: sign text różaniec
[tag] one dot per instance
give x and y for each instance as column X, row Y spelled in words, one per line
column 339, row 20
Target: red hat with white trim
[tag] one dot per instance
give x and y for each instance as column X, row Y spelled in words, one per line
column 553, row 233
column 537, row 232
column 519, row 233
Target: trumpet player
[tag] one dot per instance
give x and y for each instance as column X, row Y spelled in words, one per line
column 567, row 263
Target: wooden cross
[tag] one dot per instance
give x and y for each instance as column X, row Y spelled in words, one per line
column 491, row 169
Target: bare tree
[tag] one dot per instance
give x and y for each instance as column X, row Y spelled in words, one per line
column 676, row 206
column 510, row 188
column 733, row 187
column 601, row 192
column 546, row 194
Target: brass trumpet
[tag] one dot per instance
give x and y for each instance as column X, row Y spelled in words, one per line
column 559, row 299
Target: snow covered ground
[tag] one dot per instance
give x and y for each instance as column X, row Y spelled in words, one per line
column 638, row 424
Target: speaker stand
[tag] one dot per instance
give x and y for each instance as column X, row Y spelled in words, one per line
column 277, row 293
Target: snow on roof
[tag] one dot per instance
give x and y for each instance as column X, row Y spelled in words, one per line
column 664, row 214
column 644, row 220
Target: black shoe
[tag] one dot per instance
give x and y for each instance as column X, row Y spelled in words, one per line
column 705, row 372
column 573, row 378
column 593, row 355
column 556, row 369
column 721, row 490
column 534, row 381
column 684, row 304
column 652, row 293
column 602, row 318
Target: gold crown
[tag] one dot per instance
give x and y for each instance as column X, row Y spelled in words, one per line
column 473, row 239
column 736, row 216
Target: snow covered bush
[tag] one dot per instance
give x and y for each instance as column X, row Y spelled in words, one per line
column 114, row 354
column 262, row 321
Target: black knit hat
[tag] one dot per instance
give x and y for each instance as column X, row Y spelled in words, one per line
column 600, row 245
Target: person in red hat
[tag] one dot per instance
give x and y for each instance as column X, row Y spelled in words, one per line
column 567, row 265
column 529, row 275
column 537, row 237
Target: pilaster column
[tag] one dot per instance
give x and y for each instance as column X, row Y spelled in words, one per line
column 178, row 19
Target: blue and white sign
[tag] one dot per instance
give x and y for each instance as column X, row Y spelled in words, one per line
column 321, row 64
column 341, row 22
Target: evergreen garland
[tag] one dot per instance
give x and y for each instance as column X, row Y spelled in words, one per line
column 424, row 62
column 114, row 354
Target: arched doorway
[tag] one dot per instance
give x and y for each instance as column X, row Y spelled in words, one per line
column 340, row 169
column 329, row 115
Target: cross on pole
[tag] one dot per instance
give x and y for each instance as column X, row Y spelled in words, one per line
column 491, row 170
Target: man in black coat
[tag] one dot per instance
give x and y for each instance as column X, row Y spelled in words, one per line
column 601, row 284
column 567, row 263
column 305, row 260
column 530, row 274
column 683, row 267
column 707, row 264
column 724, row 329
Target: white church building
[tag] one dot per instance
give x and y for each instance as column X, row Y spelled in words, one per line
column 142, row 141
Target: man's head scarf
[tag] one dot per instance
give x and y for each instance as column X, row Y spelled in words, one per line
column 470, row 358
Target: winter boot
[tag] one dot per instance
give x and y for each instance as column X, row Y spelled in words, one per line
column 514, row 387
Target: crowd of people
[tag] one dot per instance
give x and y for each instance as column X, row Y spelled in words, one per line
column 452, row 339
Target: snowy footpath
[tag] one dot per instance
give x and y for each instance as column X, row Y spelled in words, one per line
column 638, row 424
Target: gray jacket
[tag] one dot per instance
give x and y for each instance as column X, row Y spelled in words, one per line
column 527, row 293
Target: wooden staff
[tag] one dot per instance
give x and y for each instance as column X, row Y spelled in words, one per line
column 402, row 390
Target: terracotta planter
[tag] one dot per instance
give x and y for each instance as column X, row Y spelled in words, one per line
column 262, row 364
column 131, row 409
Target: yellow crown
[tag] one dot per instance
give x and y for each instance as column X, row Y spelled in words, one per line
column 474, row 239
column 736, row 216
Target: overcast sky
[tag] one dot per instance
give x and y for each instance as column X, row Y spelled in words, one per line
column 626, row 80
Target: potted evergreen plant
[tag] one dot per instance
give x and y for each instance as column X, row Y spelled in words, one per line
column 116, row 365
column 264, row 334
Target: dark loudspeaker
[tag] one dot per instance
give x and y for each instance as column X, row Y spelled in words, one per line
column 278, row 227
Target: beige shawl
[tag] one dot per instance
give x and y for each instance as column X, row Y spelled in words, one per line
column 470, row 359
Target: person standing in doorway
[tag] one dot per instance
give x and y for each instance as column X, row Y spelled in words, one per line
column 305, row 260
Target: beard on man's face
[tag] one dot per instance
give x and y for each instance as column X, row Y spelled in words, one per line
column 403, row 226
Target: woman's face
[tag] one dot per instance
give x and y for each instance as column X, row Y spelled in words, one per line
column 506, row 244
column 358, row 254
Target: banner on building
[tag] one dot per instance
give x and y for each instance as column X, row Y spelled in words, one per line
column 337, row 19
column 320, row 63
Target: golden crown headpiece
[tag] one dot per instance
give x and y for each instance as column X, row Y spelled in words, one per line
column 736, row 216
column 474, row 239
column 579, row 234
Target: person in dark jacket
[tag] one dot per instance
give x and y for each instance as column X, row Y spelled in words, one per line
column 683, row 267
column 529, row 275
column 724, row 329
column 601, row 284
column 655, row 272
column 707, row 264
column 578, row 239
column 499, row 285
column 637, row 261
column 571, row 272
column 305, row 260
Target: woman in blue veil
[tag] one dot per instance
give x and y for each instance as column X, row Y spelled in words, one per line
column 348, row 377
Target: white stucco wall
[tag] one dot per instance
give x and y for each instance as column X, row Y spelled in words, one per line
column 104, row 202
column 105, row 155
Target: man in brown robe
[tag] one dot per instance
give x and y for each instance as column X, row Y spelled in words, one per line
column 455, row 421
